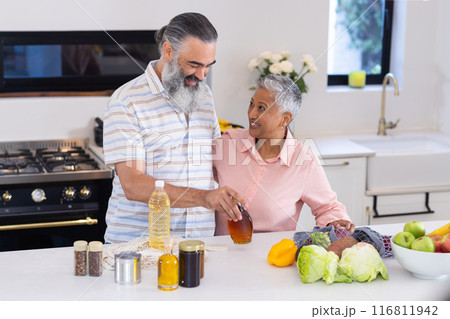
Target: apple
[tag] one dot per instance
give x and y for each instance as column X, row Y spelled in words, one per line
column 415, row 228
column 437, row 242
column 445, row 244
column 423, row 243
column 404, row 239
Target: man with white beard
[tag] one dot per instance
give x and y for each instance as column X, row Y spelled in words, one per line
column 160, row 126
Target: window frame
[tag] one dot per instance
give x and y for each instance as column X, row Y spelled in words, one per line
column 342, row 79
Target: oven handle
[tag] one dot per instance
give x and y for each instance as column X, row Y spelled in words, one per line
column 79, row 222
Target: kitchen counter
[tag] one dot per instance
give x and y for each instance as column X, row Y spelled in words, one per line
column 240, row 273
column 339, row 147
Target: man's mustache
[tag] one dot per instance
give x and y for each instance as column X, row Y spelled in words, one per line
column 192, row 77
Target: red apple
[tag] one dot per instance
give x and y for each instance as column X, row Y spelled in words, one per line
column 437, row 242
column 445, row 244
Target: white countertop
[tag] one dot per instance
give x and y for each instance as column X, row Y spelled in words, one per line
column 240, row 273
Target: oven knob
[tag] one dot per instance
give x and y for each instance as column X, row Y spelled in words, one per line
column 6, row 196
column 69, row 193
column 38, row 195
column 85, row 192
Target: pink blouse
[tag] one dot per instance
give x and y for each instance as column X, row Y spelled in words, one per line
column 274, row 189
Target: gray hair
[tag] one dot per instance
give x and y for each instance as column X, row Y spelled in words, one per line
column 189, row 24
column 287, row 94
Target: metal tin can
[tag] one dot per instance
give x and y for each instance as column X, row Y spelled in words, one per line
column 190, row 252
column 127, row 269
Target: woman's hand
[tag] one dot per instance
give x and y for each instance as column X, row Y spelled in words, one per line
column 341, row 223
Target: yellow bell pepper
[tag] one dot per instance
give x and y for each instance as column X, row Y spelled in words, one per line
column 282, row 254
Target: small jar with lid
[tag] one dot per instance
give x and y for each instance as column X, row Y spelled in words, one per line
column 202, row 258
column 190, row 262
column 80, row 257
column 95, row 258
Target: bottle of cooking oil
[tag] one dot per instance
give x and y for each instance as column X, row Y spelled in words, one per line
column 159, row 217
column 168, row 268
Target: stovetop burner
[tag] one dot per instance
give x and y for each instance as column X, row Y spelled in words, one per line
column 66, row 160
column 49, row 161
column 19, row 162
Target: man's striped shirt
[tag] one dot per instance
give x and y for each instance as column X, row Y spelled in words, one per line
column 141, row 124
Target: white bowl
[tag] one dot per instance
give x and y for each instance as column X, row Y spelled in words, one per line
column 422, row 264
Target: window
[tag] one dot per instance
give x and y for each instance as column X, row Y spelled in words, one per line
column 359, row 39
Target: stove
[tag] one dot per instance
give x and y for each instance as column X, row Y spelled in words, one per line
column 51, row 193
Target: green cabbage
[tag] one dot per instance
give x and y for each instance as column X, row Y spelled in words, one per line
column 358, row 263
column 315, row 263
column 361, row 262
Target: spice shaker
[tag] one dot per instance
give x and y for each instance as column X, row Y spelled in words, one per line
column 127, row 268
column 95, row 258
column 80, row 254
column 190, row 263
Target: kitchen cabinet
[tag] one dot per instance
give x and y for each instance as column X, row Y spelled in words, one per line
column 347, row 177
column 439, row 203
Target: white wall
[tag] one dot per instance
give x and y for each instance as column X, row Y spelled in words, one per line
column 245, row 29
column 442, row 67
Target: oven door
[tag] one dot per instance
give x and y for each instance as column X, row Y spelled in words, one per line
column 51, row 231
column 56, row 221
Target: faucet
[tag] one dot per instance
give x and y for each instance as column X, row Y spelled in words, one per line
column 382, row 125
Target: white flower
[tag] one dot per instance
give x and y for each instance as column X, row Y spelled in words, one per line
column 253, row 64
column 265, row 55
column 275, row 58
column 285, row 54
column 275, row 68
column 286, row 66
column 309, row 61
column 312, row 68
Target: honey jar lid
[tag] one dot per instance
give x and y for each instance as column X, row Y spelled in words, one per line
column 95, row 246
column 80, row 245
column 191, row 245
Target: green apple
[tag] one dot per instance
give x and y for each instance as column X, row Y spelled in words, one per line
column 404, row 239
column 423, row 243
column 415, row 228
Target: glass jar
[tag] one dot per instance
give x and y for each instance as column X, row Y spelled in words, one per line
column 202, row 258
column 80, row 257
column 242, row 230
column 190, row 263
column 168, row 272
column 95, row 258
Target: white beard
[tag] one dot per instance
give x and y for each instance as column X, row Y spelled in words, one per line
column 185, row 98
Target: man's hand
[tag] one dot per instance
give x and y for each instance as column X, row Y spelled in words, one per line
column 343, row 224
column 223, row 200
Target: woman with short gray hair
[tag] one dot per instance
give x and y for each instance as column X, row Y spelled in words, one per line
column 274, row 172
column 287, row 95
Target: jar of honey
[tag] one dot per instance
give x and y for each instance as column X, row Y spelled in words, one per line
column 242, row 230
column 189, row 259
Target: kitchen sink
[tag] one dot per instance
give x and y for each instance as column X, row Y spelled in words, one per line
column 407, row 160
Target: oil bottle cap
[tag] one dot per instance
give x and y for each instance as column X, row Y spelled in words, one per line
column 80, row 245
column 159, row 183
column 95, row 246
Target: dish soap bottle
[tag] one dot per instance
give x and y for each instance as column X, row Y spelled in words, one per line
column 159, row 217
column 168, row 268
